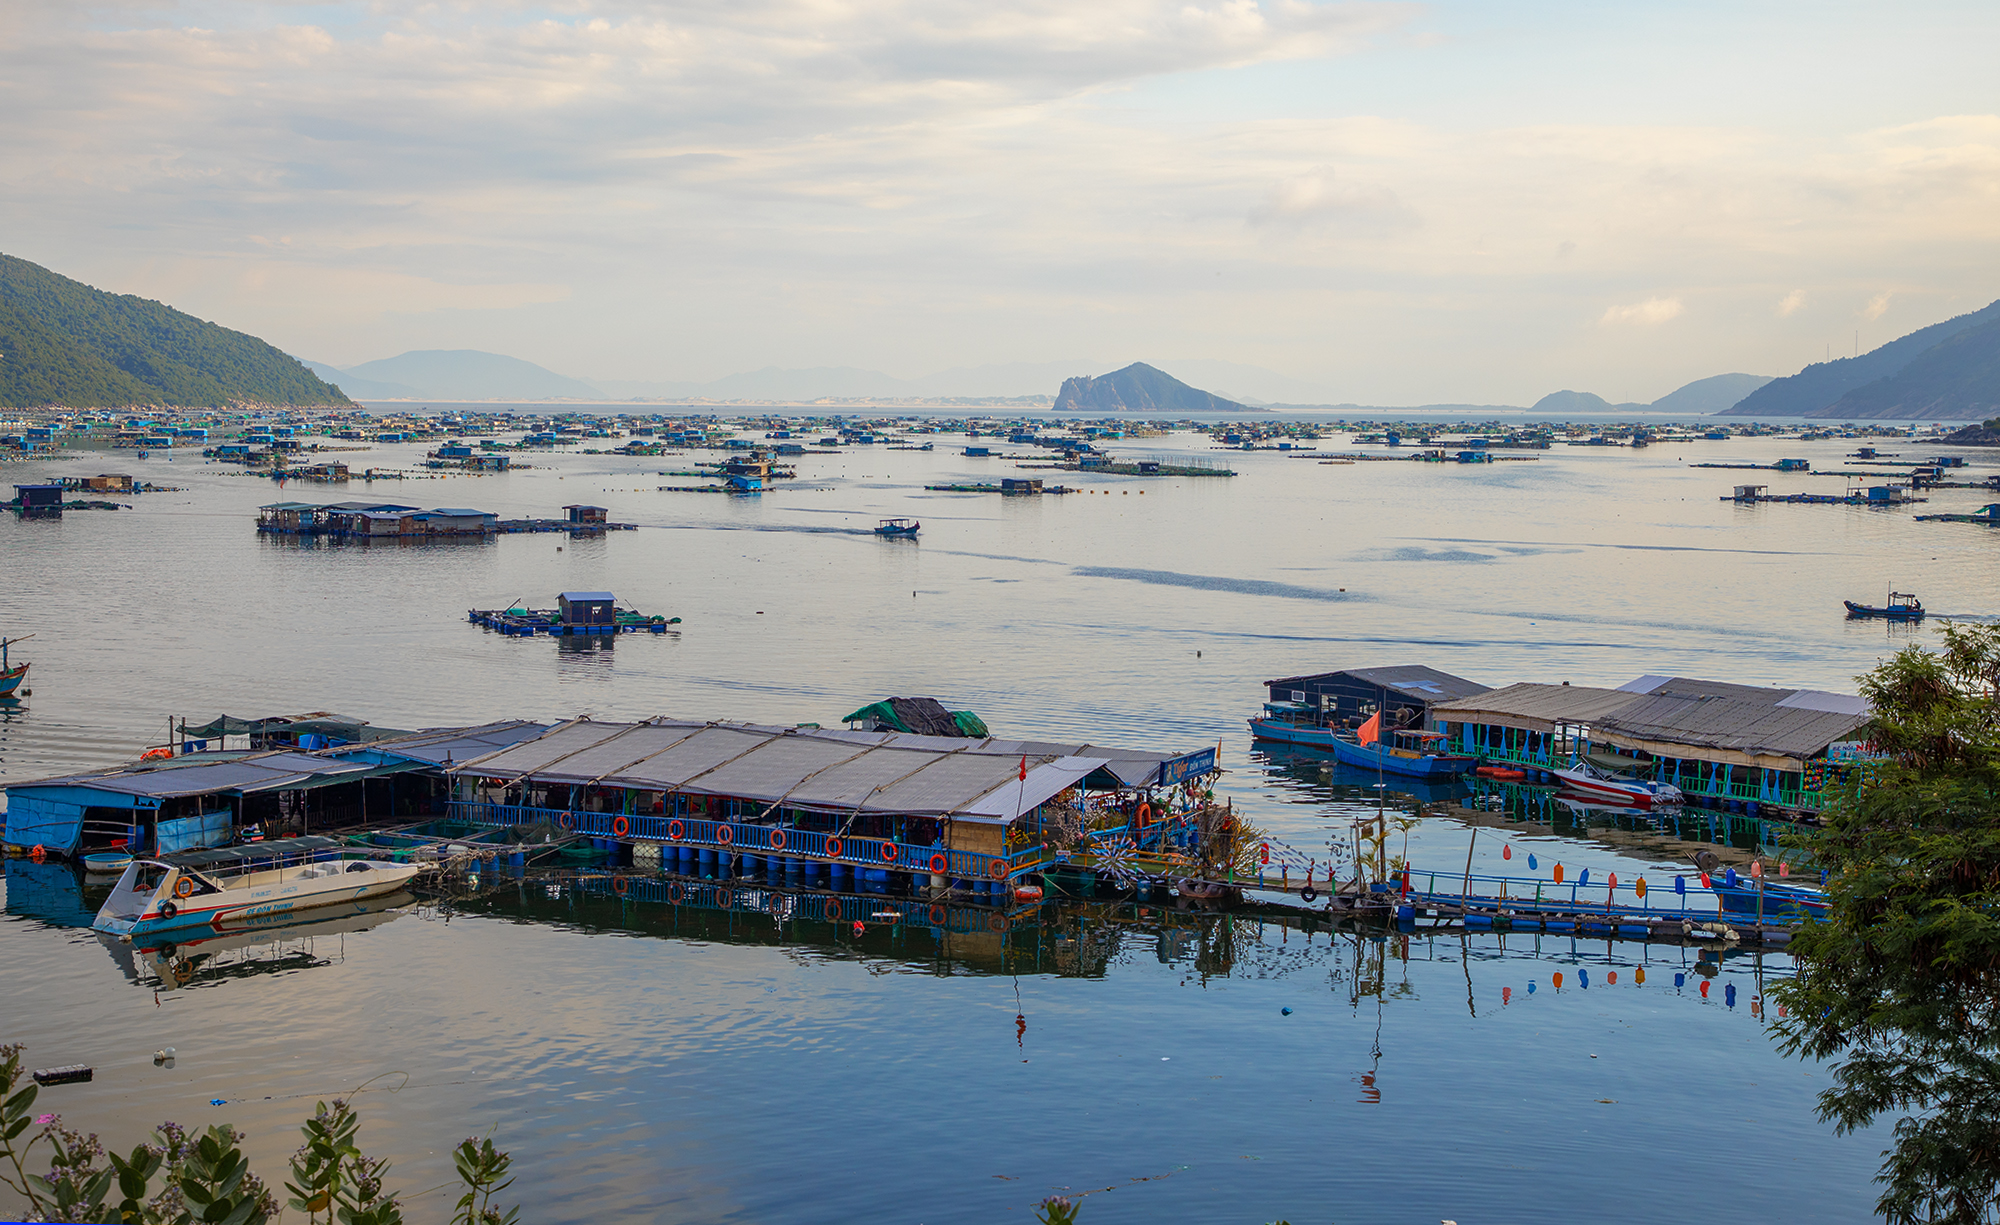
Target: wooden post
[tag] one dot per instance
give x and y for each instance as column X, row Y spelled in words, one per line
column 1466, row 893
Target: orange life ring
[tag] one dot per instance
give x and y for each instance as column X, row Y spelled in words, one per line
column 565, row 821
column 997, row 869
column 722, row 898
column 1144, row 814
column 184, row 887
column 939, row 863
column 674, row 829
column 675, row 893
column 777, row 840
column 937, row 916
column 620, row 826
column 888, row 852
column 996, row 922
column 619, row 885
column 833, row 911
column 724, row 834
column 833, row 847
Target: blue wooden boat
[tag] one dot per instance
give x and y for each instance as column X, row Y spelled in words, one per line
column 1902, row 606
column 1740, row 897
column 11, row 678
column 898, row 527
column 1411, row 754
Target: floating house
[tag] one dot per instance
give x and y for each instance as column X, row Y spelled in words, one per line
column 587, row 514
column 588, row 607
column 39, row 501
column 373, row 520
column 206, row 798
column 1729, row 745
column 1404, row 696
column 978, row 811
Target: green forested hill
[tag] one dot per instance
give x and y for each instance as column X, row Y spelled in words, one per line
column 62, row 342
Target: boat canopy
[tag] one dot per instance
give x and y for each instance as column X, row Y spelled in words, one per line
column 253, row 852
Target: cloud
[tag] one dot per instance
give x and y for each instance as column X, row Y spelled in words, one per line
column 1651, row 311
column 1876, row 306
column 1316, row 197
column 1791, row 302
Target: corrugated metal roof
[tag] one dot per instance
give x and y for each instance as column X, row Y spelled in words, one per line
column 1720, row 716
column 826, row 768
column 191, row 775
column 1411, row 680
column 1535, row 707
column 437, row 745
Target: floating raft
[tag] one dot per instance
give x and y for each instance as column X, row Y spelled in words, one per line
column 1824, row 499
column 1985, row 516
column 983, row 488
column 527, row 622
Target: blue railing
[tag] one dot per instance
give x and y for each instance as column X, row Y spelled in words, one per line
column 739, row 838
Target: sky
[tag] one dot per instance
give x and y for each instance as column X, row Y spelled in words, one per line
column 1396, row 203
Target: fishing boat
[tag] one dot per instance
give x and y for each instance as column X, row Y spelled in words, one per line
column 1594, row 782
column 211, row 889
column 1407, row 752
column 898, row 527
column 11, row 677
column 1902, row 606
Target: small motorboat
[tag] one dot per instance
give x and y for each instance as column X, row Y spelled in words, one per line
column 208, row 889
column 1902, row 606
column 898, row 527
column 1618, row 790
column 11, row 677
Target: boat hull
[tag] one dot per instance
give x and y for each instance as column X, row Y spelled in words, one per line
column 1887, row 614
column 11, row 678
column 1617, row 794
column 1366, row 756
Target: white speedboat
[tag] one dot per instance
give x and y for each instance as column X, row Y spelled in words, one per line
column 1605, row 787
column 211, row 889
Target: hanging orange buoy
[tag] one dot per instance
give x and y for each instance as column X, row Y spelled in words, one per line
column 1784, row 869
column 1614, row 880
column 1506, row 995
column 1559, row 874
column 1639, row 976
column 1507, row 852
column 1559, row 980
column 1611, row 978
column 1756, row 867
column 1704, row 988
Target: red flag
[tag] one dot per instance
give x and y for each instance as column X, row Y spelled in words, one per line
column 1371, row 731
column 1024, row 767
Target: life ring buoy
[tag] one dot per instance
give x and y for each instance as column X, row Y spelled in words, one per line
column 937, row 916
column 1144, row 814
column 939, row 863
column 888, row 852
column 565, row 821
column 724, row 834
column 722, row 899
column 997, row 869
column 833, row 912
column 777, row 840
column 833, row 846
column 184, row 887
column 997, row 923
column 675, row 829
column 675, row 893
column 620, row 826
column 619, row 885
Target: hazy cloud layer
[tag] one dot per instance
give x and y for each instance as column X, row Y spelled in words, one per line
column 679, row 190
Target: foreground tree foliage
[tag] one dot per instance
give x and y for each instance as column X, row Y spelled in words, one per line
column 1900, row 984
column 186, row 1179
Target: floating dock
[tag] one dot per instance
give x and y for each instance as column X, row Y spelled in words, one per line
column 577, row 612
column 1985, row 516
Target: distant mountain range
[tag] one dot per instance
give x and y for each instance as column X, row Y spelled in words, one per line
column 1139, row 388
column 1945, row 372
column 456, row 374
column 65, row 343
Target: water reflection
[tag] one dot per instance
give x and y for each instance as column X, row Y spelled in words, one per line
column 265, row 944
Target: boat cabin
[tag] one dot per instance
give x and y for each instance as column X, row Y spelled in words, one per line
column 1403, row 695
column 588, row 608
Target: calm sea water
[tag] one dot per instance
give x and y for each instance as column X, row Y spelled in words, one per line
column 678, row 1064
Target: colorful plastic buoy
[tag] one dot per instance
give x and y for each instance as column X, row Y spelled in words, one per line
column 1531, row 988
column 1681, row 885
column 1583, row 979
column 1284, row 1012
column 1614, row 880
column 1639, row 976
column 1757, row 868
column 1680, row 980
column 1559, row 980
column 1506, row 852
column 1639, row 887
column 1729, row 877
column 1506, row 995
column 1531, row 861
column 1559, row 874
column 1729, row 994
column 1784, row 869
column 1704, row 988
column 1611, row 978
column 1582, row 878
